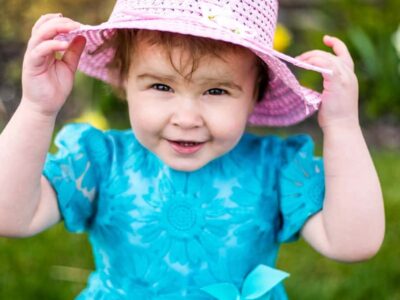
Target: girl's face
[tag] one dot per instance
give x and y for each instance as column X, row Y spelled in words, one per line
column 189, row 121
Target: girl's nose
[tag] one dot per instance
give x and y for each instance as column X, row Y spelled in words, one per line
column 187, row 115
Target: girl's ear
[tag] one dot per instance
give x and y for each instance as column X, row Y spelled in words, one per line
column 261, row 81
column 257, row 90
column 123, row 86
column 256, row 94
column 120, row 89
column 122, row 80
column 253, row 102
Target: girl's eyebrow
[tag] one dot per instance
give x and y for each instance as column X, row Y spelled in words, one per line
column 221, row 82
column 208, row 80
column 160, row 77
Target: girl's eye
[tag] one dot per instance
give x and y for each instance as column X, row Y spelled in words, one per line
column 161, row 87
column 216, row 92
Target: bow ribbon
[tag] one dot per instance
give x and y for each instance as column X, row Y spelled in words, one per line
column 255, row 287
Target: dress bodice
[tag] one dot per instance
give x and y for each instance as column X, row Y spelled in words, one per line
column 158, row 233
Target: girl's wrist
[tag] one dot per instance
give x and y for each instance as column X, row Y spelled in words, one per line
column 29, row 109
column 341, row 124
column 342, row 127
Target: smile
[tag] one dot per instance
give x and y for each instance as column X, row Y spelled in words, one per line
column 186, row 147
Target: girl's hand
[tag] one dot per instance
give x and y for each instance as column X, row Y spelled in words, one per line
column 339, row 105
column 47, row 81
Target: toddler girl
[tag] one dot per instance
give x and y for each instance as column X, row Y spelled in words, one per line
column 187, row 205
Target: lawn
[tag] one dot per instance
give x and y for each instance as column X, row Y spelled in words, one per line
column 54, row 264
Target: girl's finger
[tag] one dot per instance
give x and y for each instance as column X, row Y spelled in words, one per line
column 72, row 55
column 341, row 74
column 340, row 49
column 43, row 19
column 324, row 61
column 41, row 53
column 312, row 53
column 51, row 29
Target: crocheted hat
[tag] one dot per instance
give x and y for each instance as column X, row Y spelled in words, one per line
column 248, row 23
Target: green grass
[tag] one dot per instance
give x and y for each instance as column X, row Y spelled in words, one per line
column 29, row 268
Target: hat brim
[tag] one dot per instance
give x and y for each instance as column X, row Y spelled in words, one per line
column 285, row 101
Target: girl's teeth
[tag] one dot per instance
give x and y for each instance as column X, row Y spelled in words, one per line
column 187, row 144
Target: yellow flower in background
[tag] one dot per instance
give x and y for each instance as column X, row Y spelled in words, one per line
column 282, row 39
column 396, row 40
column 396, row 43
column 94, row 118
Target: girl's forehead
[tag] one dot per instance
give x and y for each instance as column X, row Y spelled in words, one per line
column 226, row 63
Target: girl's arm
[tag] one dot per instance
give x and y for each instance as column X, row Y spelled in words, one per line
column 351, row 225
column 27, row 202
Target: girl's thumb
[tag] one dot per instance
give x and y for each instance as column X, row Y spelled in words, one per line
column 72, row 55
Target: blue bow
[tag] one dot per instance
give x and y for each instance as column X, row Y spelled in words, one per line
column 256, row 285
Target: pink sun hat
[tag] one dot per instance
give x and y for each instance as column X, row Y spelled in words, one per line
column 248, row 23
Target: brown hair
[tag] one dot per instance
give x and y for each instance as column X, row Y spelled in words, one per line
column 124, row 41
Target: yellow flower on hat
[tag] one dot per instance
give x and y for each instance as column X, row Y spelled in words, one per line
column 282, row 39
column 94, row 118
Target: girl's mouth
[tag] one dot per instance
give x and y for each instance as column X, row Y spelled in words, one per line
column 186, row 147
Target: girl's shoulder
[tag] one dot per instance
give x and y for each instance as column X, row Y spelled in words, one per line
column 295, row 140
column 101, row 146
column 86, row 134
column 273, row 146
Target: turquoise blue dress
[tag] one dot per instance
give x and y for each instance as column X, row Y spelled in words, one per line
column 160, row 234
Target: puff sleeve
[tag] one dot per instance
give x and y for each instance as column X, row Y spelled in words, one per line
column 75, row 171
column 301, row 185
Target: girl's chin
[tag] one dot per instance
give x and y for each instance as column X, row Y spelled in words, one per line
column 185, row 167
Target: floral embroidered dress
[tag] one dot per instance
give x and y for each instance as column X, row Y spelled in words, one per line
column 158, row 233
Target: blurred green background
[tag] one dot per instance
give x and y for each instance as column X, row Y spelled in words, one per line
column 55, row 264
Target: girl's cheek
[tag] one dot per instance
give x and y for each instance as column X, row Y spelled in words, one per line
column 147, row 116
column 229, row 127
